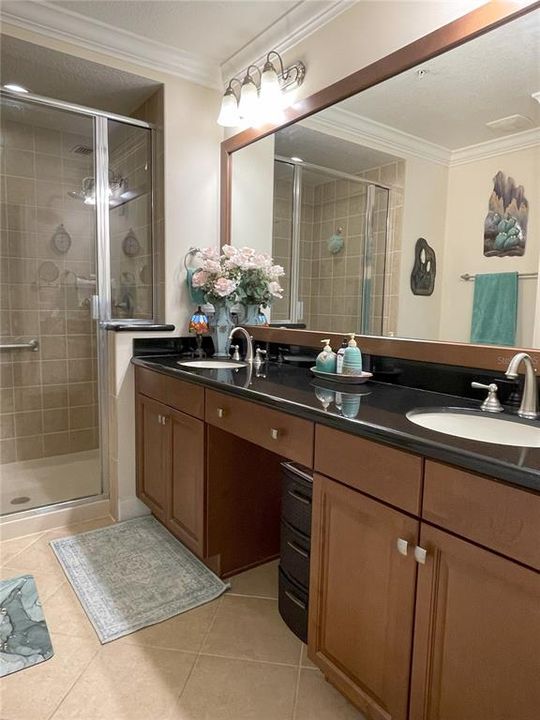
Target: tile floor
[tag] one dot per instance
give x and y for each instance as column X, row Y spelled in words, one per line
column 232, row 659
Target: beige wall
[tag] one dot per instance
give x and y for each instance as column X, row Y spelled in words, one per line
column 424, row 213
column 469, row 188
column 253, row 196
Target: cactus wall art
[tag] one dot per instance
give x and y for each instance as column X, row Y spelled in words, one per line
column 505, row 226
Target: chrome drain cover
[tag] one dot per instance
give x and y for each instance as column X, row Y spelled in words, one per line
column 20, row 500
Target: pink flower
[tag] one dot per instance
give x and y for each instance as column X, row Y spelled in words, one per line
column 224, row 287
column 211, row 266
column 275, row 289
column 275, row 272
column 229, row 251
column 199, row 278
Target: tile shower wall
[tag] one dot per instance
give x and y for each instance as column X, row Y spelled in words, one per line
column 48, row 401
column 331, row 284
column 282, row 241
column 132, row 275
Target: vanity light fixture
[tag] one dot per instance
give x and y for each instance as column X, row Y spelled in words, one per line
column 14, row 87
column 261, row 96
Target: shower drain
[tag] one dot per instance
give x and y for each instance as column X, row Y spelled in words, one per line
column 20, row 500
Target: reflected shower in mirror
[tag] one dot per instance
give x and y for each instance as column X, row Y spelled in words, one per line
column 411, row 208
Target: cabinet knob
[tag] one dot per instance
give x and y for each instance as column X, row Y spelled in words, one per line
column 420, row 555
column 220, row 412
column 274, row 433
column 402, row 546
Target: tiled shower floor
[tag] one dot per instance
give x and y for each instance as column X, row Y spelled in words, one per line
column 232, row 659
column 29, row 484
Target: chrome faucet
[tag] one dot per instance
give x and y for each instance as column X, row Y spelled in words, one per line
column 528, row 408
column 249, row 342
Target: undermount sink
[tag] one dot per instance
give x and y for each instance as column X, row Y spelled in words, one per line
column 212, row 364
column 473, row 425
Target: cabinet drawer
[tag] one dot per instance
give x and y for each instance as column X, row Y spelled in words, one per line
column 385, row 473
column 178, row 394
column 502, row 518
column 283, row 434
column 294, row 555
column 293, row 606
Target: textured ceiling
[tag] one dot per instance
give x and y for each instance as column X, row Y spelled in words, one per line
column 327, row 151
column 212, row 29
column 488, row 78
column 66, row 77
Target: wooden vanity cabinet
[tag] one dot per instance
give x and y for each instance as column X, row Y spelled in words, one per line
column 477, row 634
column 362, row 598
column 171, row 459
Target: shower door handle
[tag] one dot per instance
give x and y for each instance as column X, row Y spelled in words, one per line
column 95, row 307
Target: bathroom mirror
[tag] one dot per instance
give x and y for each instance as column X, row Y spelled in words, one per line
column 385, row 208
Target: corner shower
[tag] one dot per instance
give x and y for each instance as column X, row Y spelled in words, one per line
column 331, row 235
column 77, row 253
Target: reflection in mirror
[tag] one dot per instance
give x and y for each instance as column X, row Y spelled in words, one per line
column 411, row 208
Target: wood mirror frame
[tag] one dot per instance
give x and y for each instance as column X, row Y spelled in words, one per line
column 476, row 23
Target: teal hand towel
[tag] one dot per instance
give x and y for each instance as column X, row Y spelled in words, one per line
column 494, row 313
column 196, row 294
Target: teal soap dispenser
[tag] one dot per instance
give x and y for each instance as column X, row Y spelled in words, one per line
column 352, row 358
column 326, row 360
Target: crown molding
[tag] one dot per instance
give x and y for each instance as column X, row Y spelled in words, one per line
column 497, row 146
column 61, row 24
column 357, row 129
column 288, row 31
column 352, row 127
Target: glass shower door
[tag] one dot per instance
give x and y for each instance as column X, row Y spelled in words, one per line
column 49, row 405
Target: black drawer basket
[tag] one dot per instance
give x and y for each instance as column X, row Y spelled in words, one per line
column 294, row 555
column 293, row 606
column 297, row 491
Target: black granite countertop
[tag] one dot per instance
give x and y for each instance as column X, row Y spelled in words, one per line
column 374, row 410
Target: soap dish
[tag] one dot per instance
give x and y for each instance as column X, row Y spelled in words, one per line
column 340, row 378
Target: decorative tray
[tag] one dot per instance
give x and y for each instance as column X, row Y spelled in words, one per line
column 341, row 378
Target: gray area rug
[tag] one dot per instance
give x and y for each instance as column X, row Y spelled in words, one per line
column 24, row 638
column 134, row 574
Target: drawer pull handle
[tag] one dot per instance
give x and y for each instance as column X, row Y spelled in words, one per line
column 295, row 600
column 220, row 412
column 297, row 549
column 274, row 432
column 299, row 497
column 420, row 555
column 402, row 546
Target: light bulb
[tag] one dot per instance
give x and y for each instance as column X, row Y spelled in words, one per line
column 248, row 106
column 229, row 115
column 270, row 88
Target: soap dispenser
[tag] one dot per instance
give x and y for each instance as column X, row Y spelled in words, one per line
column 352, row 358
column 326, row 360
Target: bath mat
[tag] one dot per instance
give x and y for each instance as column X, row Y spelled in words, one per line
column 24, row 638
column 134, row 574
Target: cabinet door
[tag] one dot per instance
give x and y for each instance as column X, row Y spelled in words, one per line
column 477, row 635
column 153, row 450
column 186, row 505
column 362, row 598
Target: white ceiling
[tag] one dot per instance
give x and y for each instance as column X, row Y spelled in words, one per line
column 213, row 29
column 488, row 78
column 205, row 41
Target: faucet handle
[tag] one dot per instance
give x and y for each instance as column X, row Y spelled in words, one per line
column 491, row 403
column 236, row 354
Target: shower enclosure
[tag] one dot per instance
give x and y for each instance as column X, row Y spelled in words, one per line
column 76, row 254
column 331, row 236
